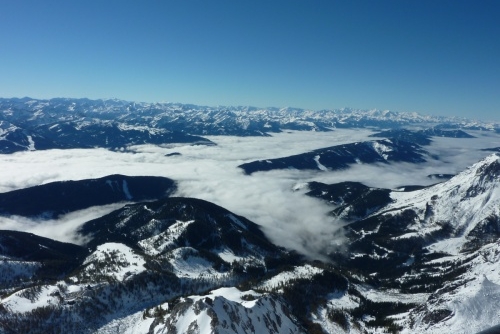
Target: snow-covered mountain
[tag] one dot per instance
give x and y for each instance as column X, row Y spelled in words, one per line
column 418, row 260
column 397, row 145
column 140, row 257
column 228, row 311
column 464, row 209
column 342, row 156
column 27, row 124
column 439, row 242
column 15, row 139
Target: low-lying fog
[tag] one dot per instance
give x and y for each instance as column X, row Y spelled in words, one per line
column 275, row 200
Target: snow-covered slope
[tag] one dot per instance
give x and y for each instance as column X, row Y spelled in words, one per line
column 436, row 247
column 14, row 139
column 468, row 205
column 228, row 311
column 455, row 216
column 468, row 304
column 112, row 261
column 142, row 256
column 299, row 272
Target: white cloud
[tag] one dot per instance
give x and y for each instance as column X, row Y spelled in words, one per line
column 63, row 228
column 288, row 217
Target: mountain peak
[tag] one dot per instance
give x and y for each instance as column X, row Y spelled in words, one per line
column 489, row 166
column 465, row 206
column 480, row 178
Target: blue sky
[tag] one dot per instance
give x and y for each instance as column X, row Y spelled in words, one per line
column 434, row 57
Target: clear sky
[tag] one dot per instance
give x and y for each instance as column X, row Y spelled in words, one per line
column 438, row 57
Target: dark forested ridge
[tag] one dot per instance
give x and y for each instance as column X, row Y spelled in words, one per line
column 56, row 198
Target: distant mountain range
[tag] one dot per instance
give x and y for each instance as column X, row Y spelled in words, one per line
column 30, row 124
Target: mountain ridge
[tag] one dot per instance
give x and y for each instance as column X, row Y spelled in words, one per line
column 343, row 156
column 56, row 198
column 114, row 124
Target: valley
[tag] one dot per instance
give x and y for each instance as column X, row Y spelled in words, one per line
column 388, row 223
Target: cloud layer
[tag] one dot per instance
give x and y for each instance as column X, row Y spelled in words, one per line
column 275, row 200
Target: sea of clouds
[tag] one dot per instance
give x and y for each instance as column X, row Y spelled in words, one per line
column 275, row 200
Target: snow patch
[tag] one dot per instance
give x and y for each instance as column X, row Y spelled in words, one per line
column 392, row 296
column 319, row 164
column 127, row 193
column 228, row 256
column 166, row 240
column 114, row 260
column 382, row 149
column 30, row 299
column 31, row 146
column 306, row 272
column 187, row 263
column 237, row 221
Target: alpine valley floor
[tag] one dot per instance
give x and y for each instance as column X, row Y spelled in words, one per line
column 376, row 246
